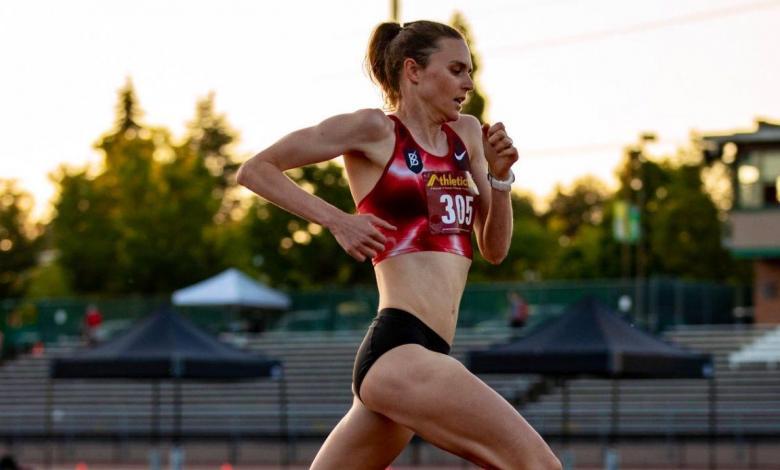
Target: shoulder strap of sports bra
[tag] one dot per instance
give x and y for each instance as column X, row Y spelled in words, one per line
column 400, row 130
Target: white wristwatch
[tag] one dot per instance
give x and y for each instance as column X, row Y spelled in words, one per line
column 501, row 185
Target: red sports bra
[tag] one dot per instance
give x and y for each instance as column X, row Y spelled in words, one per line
column 430, row 199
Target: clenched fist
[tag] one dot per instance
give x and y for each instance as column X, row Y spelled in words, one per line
column 500, row 152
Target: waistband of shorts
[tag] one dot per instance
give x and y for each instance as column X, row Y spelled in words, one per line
column 438, row 343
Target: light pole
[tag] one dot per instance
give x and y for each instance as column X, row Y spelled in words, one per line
column 638, row 183
column 394, row 10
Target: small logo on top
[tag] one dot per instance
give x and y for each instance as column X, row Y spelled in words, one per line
column 460, row 156
column 413, row 160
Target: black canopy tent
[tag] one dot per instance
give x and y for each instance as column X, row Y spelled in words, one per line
column 166, row 346
column 590, row 339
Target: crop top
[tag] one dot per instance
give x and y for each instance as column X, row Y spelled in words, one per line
column 430, row 199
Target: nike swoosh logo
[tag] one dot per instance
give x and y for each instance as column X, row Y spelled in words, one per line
column 460, row 156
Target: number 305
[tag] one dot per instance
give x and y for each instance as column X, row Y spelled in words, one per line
column 458, row 208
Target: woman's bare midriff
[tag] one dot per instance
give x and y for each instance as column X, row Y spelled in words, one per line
column 428, row 284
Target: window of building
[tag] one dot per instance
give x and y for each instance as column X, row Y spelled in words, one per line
column 758, row 176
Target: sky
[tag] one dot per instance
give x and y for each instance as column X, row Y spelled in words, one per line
column 574, row 81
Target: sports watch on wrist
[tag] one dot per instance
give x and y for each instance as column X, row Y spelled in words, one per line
column 501, row 185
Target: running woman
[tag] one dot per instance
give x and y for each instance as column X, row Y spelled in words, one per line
column 423, row 177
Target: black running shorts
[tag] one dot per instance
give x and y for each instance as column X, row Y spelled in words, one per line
column 393, row 327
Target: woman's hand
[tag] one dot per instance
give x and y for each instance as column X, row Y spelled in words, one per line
column 358, row 234
column 500, row 153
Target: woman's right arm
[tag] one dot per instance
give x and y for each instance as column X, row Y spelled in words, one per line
column 355, row 132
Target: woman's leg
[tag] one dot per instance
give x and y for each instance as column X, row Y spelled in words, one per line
column 362, row 440
column 436, row 397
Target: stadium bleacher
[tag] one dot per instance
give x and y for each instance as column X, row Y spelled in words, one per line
column 318, row 369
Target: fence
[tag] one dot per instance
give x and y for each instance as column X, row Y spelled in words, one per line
column 653, row 304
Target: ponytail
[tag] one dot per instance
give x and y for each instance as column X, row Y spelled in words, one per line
column 376, row 60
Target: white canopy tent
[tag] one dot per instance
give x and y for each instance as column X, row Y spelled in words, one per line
column 231, row 287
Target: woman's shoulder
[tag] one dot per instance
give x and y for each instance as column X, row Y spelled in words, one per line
column 468, row 128
column 465, row 123
column 372, row 123
column 358, row 130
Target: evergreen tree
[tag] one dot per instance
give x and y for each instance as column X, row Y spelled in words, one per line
column 149, row 221
column 194, row 202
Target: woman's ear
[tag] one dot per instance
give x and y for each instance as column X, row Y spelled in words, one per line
column 412, row 70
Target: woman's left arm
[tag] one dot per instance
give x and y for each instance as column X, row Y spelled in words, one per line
column 492, row 152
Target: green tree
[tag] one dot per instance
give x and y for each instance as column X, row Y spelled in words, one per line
column 475, row 105
column 19, row 241
column 130, row 180
column 685, row 239
column 83, row 231
column 581, row 204
column 579, row 220
column 148, row 222
column 681, row 230
column 196, row 199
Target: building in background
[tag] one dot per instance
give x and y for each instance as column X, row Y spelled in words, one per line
column 754, row 219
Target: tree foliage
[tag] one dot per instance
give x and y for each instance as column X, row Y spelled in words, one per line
column 680, row 226
column 147, row 221
column 83, row 233
column 161, row 213
column 578, row 219
column 18, row 238
column 582, row 204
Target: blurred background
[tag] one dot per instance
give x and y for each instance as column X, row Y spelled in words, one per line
column 649, row 178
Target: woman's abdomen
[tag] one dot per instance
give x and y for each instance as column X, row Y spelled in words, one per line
column 427, row 284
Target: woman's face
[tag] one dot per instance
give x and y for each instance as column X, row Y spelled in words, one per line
column 446, row 81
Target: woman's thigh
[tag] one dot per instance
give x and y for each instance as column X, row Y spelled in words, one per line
column 435, row 396
column 363, row 439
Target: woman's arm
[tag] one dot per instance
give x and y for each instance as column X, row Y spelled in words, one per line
column 491, row 150
column 355, row 132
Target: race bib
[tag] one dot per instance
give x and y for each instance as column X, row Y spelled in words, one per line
column 450, row 196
